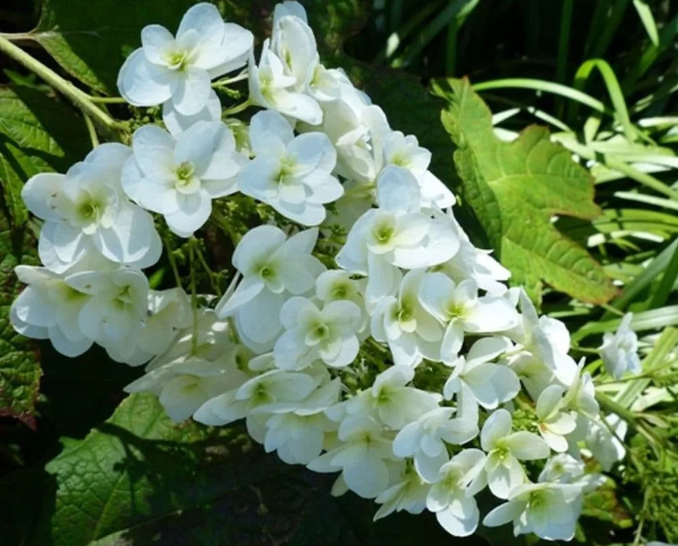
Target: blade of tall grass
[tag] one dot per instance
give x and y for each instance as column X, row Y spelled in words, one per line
column 564, row 40
column 545, row 87
column 645, row 320
column 598, row 21
column 613, row 89
column 661, row 294
column 646, row 17
column 645, row 179
column 644, row 279
column 648, row 199
column 458, row 9
column 609, row 28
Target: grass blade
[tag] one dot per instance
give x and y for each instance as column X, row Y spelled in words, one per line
column 646, row 17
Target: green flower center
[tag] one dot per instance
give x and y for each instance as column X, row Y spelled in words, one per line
column 177, row 60
column 185, row 172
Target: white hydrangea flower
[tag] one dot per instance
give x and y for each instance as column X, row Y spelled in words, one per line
column 581, row 396
column 185, row 385
column 391, row 401
column 451, row 497
column 327, row 334
column 292, row 174
column 548, row 510
column 619, row 351
column 425, row 438
column 461, row 310
column 476, row 381
column 544, row 360
column 410, row 331
column 272, row 87
column 562, row 468
column 360, row 456
column 603, row 444
column 407, row 494
column 85, row 211
column 396, row 235
column 554, row 422
column 169, row 311
column 273, row 267
column 335, row 284
column 180, row 69
column 48, row 308
column 296, row 430
column 505, row 449
column 404, row 151
column 178, row 178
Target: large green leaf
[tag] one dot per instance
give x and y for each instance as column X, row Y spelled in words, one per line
column 515, row 189
column 37, row 134
column 139, row 478
column 19, row 358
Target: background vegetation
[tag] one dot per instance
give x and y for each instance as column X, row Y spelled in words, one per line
column 601, row 75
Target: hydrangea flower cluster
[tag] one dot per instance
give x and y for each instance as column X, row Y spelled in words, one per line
column 403, row 364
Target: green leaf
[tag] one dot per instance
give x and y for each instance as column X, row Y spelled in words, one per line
column 37, row 134
column 515, row 189
column 19, row 358
column 139, row 478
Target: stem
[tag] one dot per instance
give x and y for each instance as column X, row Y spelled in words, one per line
column 238, row 108
column 208, row 270
column 172, row 261
column 227, row 81
column 66, row 88
column 91, row 130
column 107, row 100
column 194, row 295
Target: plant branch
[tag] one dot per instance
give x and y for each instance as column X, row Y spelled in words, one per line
column 103, row 120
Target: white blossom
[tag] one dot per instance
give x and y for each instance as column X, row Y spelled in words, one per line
column 425, row 439
column 273, row 267
column 555, row 422
column 548, row 510
column 461, row 310
column 619, row 351
column 505, row 449
column 292, row 174
column 179, row 69
column 408, row 494
column 86, row 212
column 360, row 457
column 451, row 497
column 179, row 177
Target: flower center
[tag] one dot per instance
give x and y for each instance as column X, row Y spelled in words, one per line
column 455, row 310
column 405, row 313
column 266, row 272
column 185, row 172
column 177, row 60
column 401, row 159
column 383, row 234
column 287, row 169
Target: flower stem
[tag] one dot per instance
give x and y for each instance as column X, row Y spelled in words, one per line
column 91, row 130
column 238, row 108
column 170, row 257
column 194, row 296
column 107, row 100
column 111, row 127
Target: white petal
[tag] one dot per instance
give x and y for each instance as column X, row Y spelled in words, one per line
column 142, row 83
column 460, row 526
column 497, row 427
column 157, row 43
column 257, row 244
column 504, row 513
column 39, row 192
column 265, row 125
column 193, row 91
column 247, row 290
column 129, row 239
column 527, row 446
column 194, row 210
column 206, row 21
column 366, row 477
column 178, row 123
column 397, row 190
column 238, row 42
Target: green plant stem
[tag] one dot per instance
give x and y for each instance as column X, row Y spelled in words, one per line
column 107, row 100
column 238, row 108
column 110, row 126
column 194, row 294
column 170, row 257
column 91, row 130
column 212, row 276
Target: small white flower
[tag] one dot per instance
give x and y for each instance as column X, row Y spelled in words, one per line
column 178, row 178
column 548, row 510
column 118, row 304
column 293, row 175
column 179, row 69
column 293, row 42
column 296, row 430
column 391, row 401
column 451, row 497
column 425, row 438
column 85, row 211
column 336, row 284
column 581, row 396
column 461, row 310
column 328, row 334
column 476, row 381
column 504, row 451
column 271, row 86
column 562, row 468
column 404, row 151
column 396, row 235
column 273, row 267
column 408, row 494
column 605, row 446
column 619, row 351
column 411, row 332
column 554, row 422
column 360, row 456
